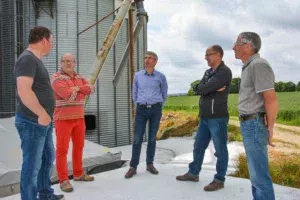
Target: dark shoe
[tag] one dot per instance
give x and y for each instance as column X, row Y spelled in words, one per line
column 152, row 169
column 130, row 172
column 213, row 186
column 84, row 177
column 66, row 186
column 58, row 197
column 188, row 177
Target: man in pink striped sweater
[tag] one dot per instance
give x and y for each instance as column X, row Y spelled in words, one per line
column 70, row 91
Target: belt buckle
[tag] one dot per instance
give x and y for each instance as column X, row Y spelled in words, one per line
column 148, row 106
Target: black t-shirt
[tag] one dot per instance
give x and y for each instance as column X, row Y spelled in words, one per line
column 29, row 65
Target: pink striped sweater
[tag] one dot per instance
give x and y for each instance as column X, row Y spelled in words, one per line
column 69, row 103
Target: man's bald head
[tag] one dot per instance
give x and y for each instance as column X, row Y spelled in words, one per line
column 67, row 63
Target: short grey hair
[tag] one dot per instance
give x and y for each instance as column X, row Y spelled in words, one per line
column 253, row 39
column 153, row 54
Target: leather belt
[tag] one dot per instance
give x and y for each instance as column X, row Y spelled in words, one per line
column 148, row 106
column 252, row 116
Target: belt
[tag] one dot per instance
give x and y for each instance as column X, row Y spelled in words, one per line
column 251, row 116
column 148, row 106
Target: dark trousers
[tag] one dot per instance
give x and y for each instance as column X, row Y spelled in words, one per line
column 143, row 114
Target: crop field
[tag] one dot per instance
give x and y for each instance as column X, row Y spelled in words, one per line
column 289, row 106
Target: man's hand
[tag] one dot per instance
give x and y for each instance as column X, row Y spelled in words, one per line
column 270, row 130
column 221, row 89
column 44, row 119
column 91, row 86
column 75, row 88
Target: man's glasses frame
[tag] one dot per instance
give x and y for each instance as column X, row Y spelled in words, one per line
column 209, row 54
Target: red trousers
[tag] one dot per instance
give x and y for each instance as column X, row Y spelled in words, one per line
column 65, row 129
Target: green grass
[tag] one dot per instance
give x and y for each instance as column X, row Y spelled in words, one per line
column 284, row 170
column 234, row 133
column 289, row 106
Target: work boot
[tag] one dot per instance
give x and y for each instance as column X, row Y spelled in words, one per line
column 66, row 186
column 188, row 177
column 152, row 169
column 213, row 186
column 131, row 172
column 84, row 177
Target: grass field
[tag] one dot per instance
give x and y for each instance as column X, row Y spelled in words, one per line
column 289, row 106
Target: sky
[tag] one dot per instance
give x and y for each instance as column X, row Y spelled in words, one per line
column 180, row 31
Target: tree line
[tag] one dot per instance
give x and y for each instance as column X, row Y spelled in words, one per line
column 235, row 86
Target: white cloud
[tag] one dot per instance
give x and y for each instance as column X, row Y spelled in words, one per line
column 181, row 30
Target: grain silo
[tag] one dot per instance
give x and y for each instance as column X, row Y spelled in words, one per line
column 109, row 109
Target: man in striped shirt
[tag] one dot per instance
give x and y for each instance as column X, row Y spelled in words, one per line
column 70, row 91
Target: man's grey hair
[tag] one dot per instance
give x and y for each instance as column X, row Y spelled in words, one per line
column 253, row 39
column 153, row 54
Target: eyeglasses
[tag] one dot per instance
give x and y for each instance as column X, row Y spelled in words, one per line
column 68, row 61
column 207, row 55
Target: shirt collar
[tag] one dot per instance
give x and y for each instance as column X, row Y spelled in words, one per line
column 254, row 56
column 220, row 65
column 63, row 73
column 153, row 73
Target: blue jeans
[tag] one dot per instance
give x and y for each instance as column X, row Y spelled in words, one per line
column 255, row 138
column 215, row 129
column 38, row 156
column 142, row 116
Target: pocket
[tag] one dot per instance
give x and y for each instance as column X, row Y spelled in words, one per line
column 43, row 126
column 263, row 133
column 20, row 128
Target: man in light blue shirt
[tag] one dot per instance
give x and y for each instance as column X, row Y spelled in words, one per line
column 149, row 92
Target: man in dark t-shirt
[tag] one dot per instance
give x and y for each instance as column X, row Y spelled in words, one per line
column 34, row 111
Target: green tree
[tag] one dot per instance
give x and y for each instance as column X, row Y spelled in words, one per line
column 298, row 87
column 235, row 85
column 191, row 91
column 289, row 87
column 279, row 86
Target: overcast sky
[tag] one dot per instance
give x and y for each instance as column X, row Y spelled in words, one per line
column 180, row 31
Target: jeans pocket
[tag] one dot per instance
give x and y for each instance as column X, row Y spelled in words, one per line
column 263, row 133
column 20, row 128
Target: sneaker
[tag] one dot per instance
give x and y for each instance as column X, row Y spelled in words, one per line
column 66, row 186
column 213, row 186
column 152, row 169
column 84, row 177
column 188, row 177
column 131, row 172
column 58, row 197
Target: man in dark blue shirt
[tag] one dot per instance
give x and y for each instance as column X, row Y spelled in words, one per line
column 149, row 92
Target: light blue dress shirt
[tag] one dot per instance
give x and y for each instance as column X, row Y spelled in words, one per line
column 149, row 89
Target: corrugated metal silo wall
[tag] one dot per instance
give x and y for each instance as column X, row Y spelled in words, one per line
column 106, row 96
column 111, row 106
column 44, row 19
column 7, row 58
